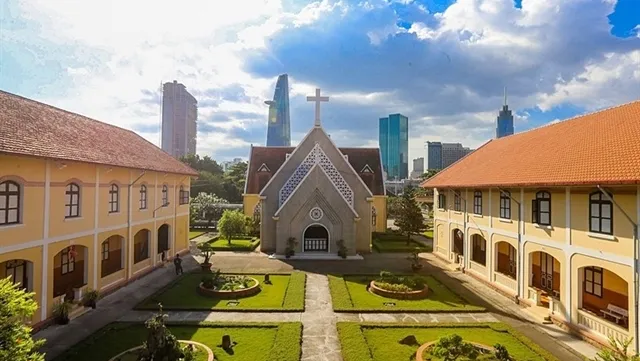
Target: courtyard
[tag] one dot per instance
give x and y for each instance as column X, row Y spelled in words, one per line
column 315, row 324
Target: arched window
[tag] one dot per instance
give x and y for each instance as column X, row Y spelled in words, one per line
column 165, row 195
column 72, row 201
column 541, row 208
column 184, row 196
column 143, row 197
column 256, row 213
column 600, row 213
column 457, row 204
column 114, row 199
column 9, row 203
column 505, row 204
column 374, row 216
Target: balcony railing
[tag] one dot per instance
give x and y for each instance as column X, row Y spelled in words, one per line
column 477, row 267
column 505, row 281
column 601, row 326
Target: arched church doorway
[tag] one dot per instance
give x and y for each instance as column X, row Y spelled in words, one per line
column 316, row 239
column 163, row 240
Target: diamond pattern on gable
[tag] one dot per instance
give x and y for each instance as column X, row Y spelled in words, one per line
column 264, row 168
column 316, row 156
column 366, row 169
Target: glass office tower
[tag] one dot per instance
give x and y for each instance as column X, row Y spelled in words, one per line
column 394, row 146
column 504, row 125
column 279, row 122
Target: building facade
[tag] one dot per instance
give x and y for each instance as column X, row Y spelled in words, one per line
column 394, row 145
column 101, row 210
column 279, row 123
column 179, row 120
column 226, row 165
column 418, row 167
column 504, row 122
column 434, row 155
column 522, row 215
column 441, row 155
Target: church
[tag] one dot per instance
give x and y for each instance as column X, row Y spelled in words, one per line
column 316, row 193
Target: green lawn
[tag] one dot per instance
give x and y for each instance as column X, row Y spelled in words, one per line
column 237, row 244
column 194, row 234
column 349, row 294
column 256, row 342
column 394, row 246
column 285, row 293
column 379, row 342
column 428, row 233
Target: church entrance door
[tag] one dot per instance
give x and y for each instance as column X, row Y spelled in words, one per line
column 316, row 239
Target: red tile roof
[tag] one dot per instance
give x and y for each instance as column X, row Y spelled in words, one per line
column 274, row 157
column 35, row 129
column 596, row 148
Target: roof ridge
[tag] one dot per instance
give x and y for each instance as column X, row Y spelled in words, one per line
column 67, row 111
column 576, row 117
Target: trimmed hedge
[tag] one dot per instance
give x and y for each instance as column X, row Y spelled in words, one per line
column 294, row 296
column 286, row 344
column 255, row 242
column 441, row 300
column 355, row 347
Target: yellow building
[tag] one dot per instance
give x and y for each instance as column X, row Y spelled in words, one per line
column 83, row 204
column 550, row 217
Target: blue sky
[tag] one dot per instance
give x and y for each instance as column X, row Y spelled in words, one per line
column 442, row 63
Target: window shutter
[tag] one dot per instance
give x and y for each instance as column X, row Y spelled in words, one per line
column 534, row 210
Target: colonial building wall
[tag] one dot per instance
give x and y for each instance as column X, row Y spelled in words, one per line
column 380, row 204
column 46, row 229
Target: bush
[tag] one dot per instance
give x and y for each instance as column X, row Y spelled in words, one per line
column 390, row 282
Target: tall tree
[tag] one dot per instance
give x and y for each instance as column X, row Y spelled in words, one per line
column 410, row 220
column 232, row 224
column 206, row 205
column 429, row 173
column 237, row 174
column 16, row 343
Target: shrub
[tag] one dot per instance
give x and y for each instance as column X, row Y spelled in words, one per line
column 390, row 282
column 451, row 348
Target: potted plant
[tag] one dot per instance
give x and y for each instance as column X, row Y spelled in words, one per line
column 90, row 298
column 342, row 249
column 291, row 244
column 415, row 260
column 207, row 251
column 61, row 311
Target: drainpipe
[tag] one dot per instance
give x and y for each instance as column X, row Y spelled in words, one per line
column 464, row 233
column 518, row 270
column 130, row 254
column 635, row 264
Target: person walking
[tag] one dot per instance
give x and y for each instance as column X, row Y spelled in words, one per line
column 178, row 263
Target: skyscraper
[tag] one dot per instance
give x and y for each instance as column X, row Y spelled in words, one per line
column 279, row 122
column 434, row 155
column 505, row 120
column 441, row 155
column 394, row 145
column 179, row 120
column 418, row 167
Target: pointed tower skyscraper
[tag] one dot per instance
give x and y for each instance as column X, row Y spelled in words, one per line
column 279, row 122
column 505, row 119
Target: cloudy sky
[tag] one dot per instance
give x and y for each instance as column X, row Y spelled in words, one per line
column 442, row 63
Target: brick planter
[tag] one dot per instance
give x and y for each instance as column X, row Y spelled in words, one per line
column 198, row 345
column 246, row 292
column 411, row 295
column 423, row 348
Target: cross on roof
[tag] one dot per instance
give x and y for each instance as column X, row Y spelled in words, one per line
column 317, row 98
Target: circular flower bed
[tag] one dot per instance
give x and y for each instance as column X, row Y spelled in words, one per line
column 228, row 287
column 132, row 353
column 399, row 287
column 423, row 351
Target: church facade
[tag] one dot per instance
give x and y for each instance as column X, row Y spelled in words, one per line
column 318, row 194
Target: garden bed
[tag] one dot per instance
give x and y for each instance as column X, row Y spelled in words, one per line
column 203, row 352
column 380, row 342
column 255, row 341
column 285, row 293
column 253, row 289
column 349, row 294
column 400, row 295
column 238, row 244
